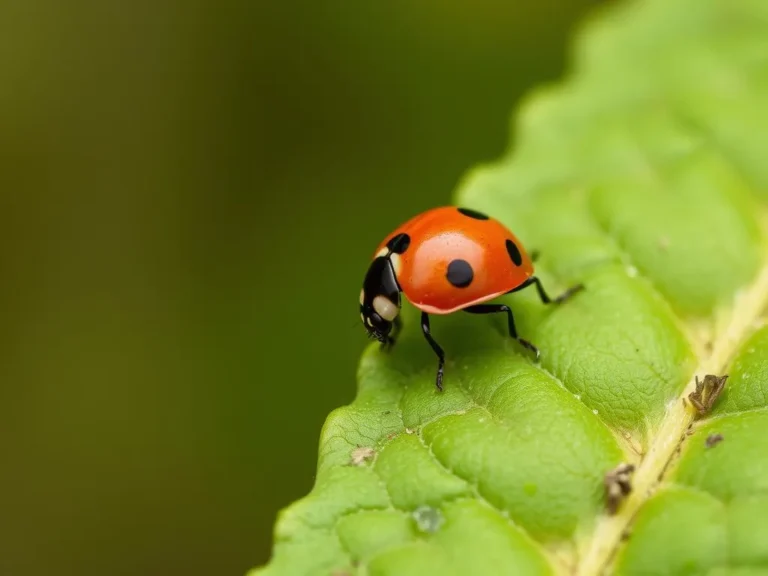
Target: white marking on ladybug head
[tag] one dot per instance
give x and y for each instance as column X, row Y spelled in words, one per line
column 382, row 252
column 362, row 297
column 385, row 308
column 396, row 263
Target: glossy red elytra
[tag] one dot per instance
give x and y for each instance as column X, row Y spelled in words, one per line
column 444, row 260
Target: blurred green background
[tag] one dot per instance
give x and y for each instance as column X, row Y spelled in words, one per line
column 190, row 193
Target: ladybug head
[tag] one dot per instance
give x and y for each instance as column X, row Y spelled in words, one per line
column 379, row 299
column 378, row 327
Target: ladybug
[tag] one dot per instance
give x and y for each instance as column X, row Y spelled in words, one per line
column 445, row 260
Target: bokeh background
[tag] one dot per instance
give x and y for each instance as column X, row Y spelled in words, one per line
column 189, row 195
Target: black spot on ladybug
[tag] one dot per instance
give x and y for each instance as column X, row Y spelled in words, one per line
column 473, row 214
column 460, row 273
column 399, row 244
column 514, row 253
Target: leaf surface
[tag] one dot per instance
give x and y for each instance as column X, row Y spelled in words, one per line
column 644, row 176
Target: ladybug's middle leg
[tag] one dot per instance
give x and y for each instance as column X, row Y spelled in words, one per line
column 436, row 347
column 494, row 308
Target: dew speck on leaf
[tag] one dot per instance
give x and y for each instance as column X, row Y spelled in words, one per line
column 428, row 519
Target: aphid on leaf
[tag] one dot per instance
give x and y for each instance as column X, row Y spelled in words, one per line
column 618, row 485
column 707, row 392
column 713, row 440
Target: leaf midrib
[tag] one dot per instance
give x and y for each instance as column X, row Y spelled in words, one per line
column 599, row 551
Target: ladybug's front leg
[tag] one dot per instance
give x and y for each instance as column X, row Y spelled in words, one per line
column 436, row 347
column 391, row 339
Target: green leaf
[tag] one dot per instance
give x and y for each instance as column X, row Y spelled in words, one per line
column 644, row 176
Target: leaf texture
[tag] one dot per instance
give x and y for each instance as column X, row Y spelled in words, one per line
column 644, row 176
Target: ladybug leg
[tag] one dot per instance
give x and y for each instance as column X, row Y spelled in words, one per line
column 543, row 293
column 436, row 347
column 494, row 308
column 397, row 326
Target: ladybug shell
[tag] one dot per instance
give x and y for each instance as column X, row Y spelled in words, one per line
column 454, row 257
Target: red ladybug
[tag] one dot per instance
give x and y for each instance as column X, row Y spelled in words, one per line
column 443, row 260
